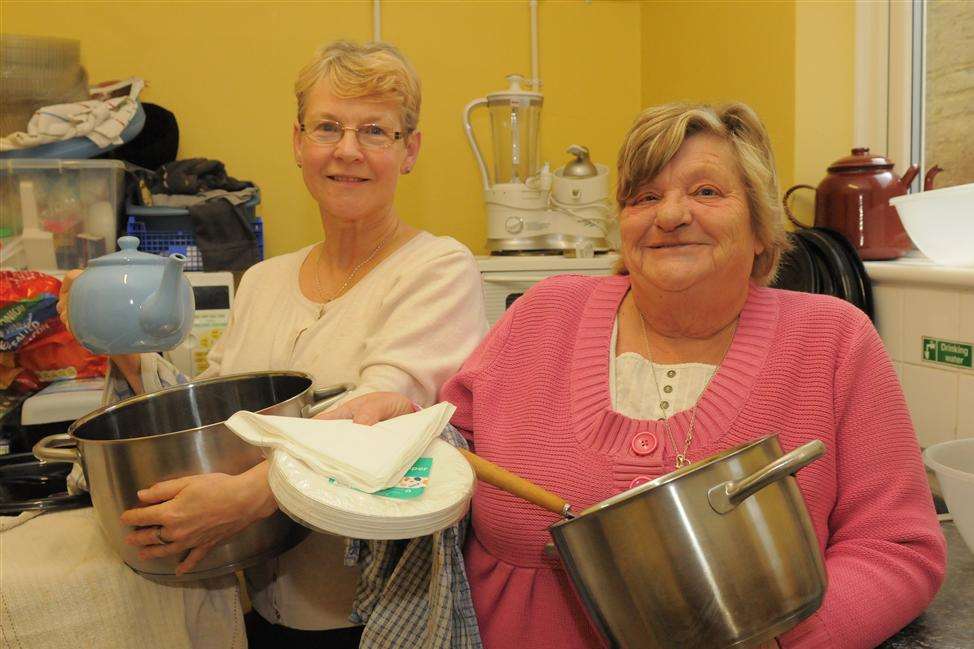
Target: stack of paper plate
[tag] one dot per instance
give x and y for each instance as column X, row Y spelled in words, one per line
column 316, row 502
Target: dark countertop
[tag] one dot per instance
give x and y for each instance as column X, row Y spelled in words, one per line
column 948, row 623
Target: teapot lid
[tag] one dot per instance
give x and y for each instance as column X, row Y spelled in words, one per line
column 128, row 254
column 861, row 159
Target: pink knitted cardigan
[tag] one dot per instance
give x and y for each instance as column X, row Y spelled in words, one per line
column 535, row 399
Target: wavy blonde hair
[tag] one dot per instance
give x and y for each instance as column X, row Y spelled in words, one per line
column 373, row 70
column 659, row 132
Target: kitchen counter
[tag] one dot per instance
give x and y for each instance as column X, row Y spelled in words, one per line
column 948, row 623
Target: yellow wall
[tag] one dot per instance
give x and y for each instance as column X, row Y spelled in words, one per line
column 718, row 52
column 226, row 70
column 791, row 61
column 824, row 99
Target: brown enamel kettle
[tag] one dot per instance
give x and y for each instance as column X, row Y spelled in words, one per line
column 854, row 200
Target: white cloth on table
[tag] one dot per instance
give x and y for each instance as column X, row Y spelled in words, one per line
column 102, row 122
column 367, row 458
column 64, row 588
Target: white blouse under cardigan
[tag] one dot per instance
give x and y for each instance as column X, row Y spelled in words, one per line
column 634, row 391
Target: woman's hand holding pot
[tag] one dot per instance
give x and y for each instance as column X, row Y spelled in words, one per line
column 198, row 512
column 371, row 408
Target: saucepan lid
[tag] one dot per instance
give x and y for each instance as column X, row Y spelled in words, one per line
column 28, row 484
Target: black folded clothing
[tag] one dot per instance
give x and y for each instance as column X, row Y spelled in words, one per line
column 223, row 231
column 194, row 176
column 224, row 235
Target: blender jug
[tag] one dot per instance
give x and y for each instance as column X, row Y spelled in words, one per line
column 515, row 123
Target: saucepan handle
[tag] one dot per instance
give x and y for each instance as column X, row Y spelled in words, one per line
column 325, row 398
column 46, row 449
column 515, row 485
column 725, row 496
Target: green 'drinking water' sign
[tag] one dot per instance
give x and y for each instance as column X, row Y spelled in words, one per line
column 947, row 352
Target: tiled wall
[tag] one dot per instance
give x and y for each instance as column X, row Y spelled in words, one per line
column 938, row 305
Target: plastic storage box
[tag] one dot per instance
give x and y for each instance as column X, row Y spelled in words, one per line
column 165, row 230
column 60, row 213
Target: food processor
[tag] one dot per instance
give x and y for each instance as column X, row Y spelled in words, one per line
column 531, row 210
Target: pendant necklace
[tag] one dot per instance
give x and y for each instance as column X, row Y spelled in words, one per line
column 351, row 275
column 681, row 457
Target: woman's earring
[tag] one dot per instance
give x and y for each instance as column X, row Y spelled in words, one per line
column 298, row 162
column 407, row 170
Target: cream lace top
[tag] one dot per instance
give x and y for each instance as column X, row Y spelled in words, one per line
column 633, row 390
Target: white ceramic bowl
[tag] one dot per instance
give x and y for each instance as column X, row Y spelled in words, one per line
column 953, row 462
column 941, row 223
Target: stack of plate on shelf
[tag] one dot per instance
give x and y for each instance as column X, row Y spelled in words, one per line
column 823, row 261
column 317, row 502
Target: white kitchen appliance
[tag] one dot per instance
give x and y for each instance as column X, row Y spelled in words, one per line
column 507, row 278
column 63, row 401
column 529, row 208
column 214, row 295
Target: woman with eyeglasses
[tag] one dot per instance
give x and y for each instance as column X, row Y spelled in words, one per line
column 377, row 303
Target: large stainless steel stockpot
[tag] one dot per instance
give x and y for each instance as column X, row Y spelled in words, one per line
column 715, row 555
column 180, row 431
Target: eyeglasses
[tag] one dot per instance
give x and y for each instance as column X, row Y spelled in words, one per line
column 369, row 136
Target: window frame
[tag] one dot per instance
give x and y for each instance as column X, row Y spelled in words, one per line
column 890, row 57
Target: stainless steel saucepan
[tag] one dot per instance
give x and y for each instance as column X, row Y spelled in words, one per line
column 720, row 554
column 180, row 431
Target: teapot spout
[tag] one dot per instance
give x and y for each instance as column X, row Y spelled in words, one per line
column 909, row 175
column 162, row 313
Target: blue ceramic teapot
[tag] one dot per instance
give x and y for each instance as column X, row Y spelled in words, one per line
column 131, row 302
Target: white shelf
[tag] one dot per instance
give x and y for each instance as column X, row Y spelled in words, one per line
column 922, row 272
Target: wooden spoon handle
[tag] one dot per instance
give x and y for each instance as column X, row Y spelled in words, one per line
column 515, row 485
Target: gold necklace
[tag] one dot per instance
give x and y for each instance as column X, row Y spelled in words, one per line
column 354, row 271
column 681, row 458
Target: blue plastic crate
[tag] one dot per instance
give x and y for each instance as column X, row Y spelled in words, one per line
column 169, row 235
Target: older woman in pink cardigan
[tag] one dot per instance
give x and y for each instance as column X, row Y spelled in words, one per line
column 590, row 385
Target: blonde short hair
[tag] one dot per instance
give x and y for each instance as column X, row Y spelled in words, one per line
column 373, row 70
column 659, row 132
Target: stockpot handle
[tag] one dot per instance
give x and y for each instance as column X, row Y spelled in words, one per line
column 728, row 495
column 325, row 398
column 45, row 449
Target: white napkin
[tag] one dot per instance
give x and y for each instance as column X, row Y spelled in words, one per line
column 368, row 458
